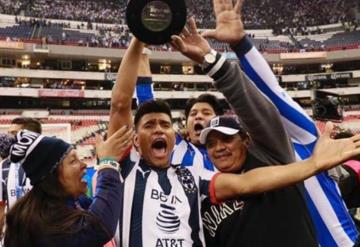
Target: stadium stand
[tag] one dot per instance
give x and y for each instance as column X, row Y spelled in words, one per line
column 83, row 129
column 258, row 14
column 16, row 32
column 337, row 41
column 86, row 23
column 60, row 35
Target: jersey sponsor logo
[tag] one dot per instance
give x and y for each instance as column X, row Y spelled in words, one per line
column 161, row 196
column 169, row 242
column 213, row 217
column 167, row 220
column 19, row 192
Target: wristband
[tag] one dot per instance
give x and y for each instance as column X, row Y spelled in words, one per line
column 212, row 190
column 106, row 166
column 144, row 80
column 108, row 163
column 107, row 158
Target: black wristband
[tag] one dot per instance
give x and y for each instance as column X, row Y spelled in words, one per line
column 242, row 47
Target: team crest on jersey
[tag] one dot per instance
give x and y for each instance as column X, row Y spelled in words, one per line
column 186, row 179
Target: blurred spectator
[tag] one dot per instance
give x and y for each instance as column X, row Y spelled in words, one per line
column 5, row 143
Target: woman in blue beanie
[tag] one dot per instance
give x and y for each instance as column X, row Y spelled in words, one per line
column 48, row 215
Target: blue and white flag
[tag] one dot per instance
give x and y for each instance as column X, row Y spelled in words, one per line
column 334, row 226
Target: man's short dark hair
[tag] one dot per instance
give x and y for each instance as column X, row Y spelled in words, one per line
column 152, row 106
column 27, row 123
column 210, row 99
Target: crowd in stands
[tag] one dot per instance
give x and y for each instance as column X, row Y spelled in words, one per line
column 291, row 15
column 114, row 36
column 13, row 7
column 288, row 17
column 296, row 15
column 294, row 19
column 93, row 11
column 119, row 37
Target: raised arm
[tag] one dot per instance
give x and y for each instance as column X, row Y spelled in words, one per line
column 123, row 90
column 230, row 29
column 298, row 124
column 258, row 114
column 327, row 154
column 144, row 84
column 104, row 208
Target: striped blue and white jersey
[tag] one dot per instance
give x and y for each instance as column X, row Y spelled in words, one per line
column 162, row 207
column 187, row 154
column 332, row 221
column 14, row 183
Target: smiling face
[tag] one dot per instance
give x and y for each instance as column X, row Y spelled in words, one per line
column 199, row 116
column 71, row 173
column 155, row 139
column 226, row 152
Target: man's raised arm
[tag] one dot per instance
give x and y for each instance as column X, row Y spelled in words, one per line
column 123, row 90
column 230, row 29
column 327, row 154
column 144, row 84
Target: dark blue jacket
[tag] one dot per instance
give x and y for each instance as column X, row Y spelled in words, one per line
column 105, row 207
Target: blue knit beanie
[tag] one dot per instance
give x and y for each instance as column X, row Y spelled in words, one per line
column 38, row 155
